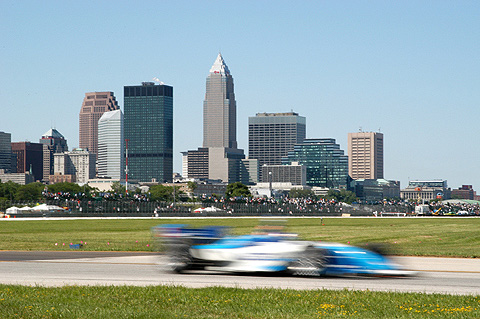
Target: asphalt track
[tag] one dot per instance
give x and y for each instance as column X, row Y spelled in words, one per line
column 435, row 275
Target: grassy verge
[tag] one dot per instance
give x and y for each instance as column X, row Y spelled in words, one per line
column 216, row 302
column 454, row 237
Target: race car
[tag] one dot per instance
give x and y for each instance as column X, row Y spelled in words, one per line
column 212, row 249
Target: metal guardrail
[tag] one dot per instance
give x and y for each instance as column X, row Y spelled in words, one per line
column 131, row 208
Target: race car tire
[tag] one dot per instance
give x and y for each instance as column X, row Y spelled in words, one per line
column 379, row 248
column 180, row 259
column 311, row 262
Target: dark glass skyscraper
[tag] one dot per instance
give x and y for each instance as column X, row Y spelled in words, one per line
column 29, row 158
column 6, row 151
column 326, row 164
column 148, row 127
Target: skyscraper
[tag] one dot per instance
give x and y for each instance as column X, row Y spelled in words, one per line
column 219, row 158
column 110, row 145
column 272, row 135
column 5, row 151
column 29, row 158
column 219, row 108
column 148, row 128
column 365, row 155
column 53, row 142
column 93, row 106
column 326, row 164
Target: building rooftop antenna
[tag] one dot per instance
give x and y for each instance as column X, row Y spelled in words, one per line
column 158, row 81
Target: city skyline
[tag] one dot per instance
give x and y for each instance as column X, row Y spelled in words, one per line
column 406, row 69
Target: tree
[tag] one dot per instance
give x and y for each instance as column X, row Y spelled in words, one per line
column 301, row 193
column 164, row 193
column 237, row 190
column 342, row 196
column 161, row 193
column 65, row 187
column 192, row 186
column 8, row 190
column 29, row 192
column 118, row 188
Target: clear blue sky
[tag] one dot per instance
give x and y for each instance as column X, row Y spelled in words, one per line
column 408, row 68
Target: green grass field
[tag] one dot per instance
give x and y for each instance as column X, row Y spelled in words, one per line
column 408, row 236
column 216, row 302
column 452, row 237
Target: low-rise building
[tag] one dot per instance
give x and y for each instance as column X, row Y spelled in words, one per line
column 60, row 178
column 249, row 171
column 293, row 173
column 426, row 190
column 209, row 188
column 376, row 189
column 105, row 184
column 274, row 189
column 19, row 178
column 464, row 192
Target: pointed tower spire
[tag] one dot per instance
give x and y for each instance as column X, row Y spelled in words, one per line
column 219, row 108
column 219, row 66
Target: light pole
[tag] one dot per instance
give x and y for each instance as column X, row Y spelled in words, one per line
column 126, row 167
column 270, row 183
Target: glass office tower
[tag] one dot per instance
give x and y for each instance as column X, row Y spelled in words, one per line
column 326, row 164
column 5, row 151
column 148, row 128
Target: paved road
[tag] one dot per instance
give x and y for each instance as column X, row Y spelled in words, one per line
column 436, row 275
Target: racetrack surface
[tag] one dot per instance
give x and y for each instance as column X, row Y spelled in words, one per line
column 435, row 275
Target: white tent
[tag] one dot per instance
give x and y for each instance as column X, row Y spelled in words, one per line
column 12, row 210
column 48, row 208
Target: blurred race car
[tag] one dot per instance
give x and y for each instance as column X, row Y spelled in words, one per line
column 211, row 248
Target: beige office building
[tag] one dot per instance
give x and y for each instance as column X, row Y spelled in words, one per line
column 365, row 155
column 79, row 163
column 219, row 108
column 93, row 106
column 219, row 158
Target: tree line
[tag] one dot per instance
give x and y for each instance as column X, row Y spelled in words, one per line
column 10, row 191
